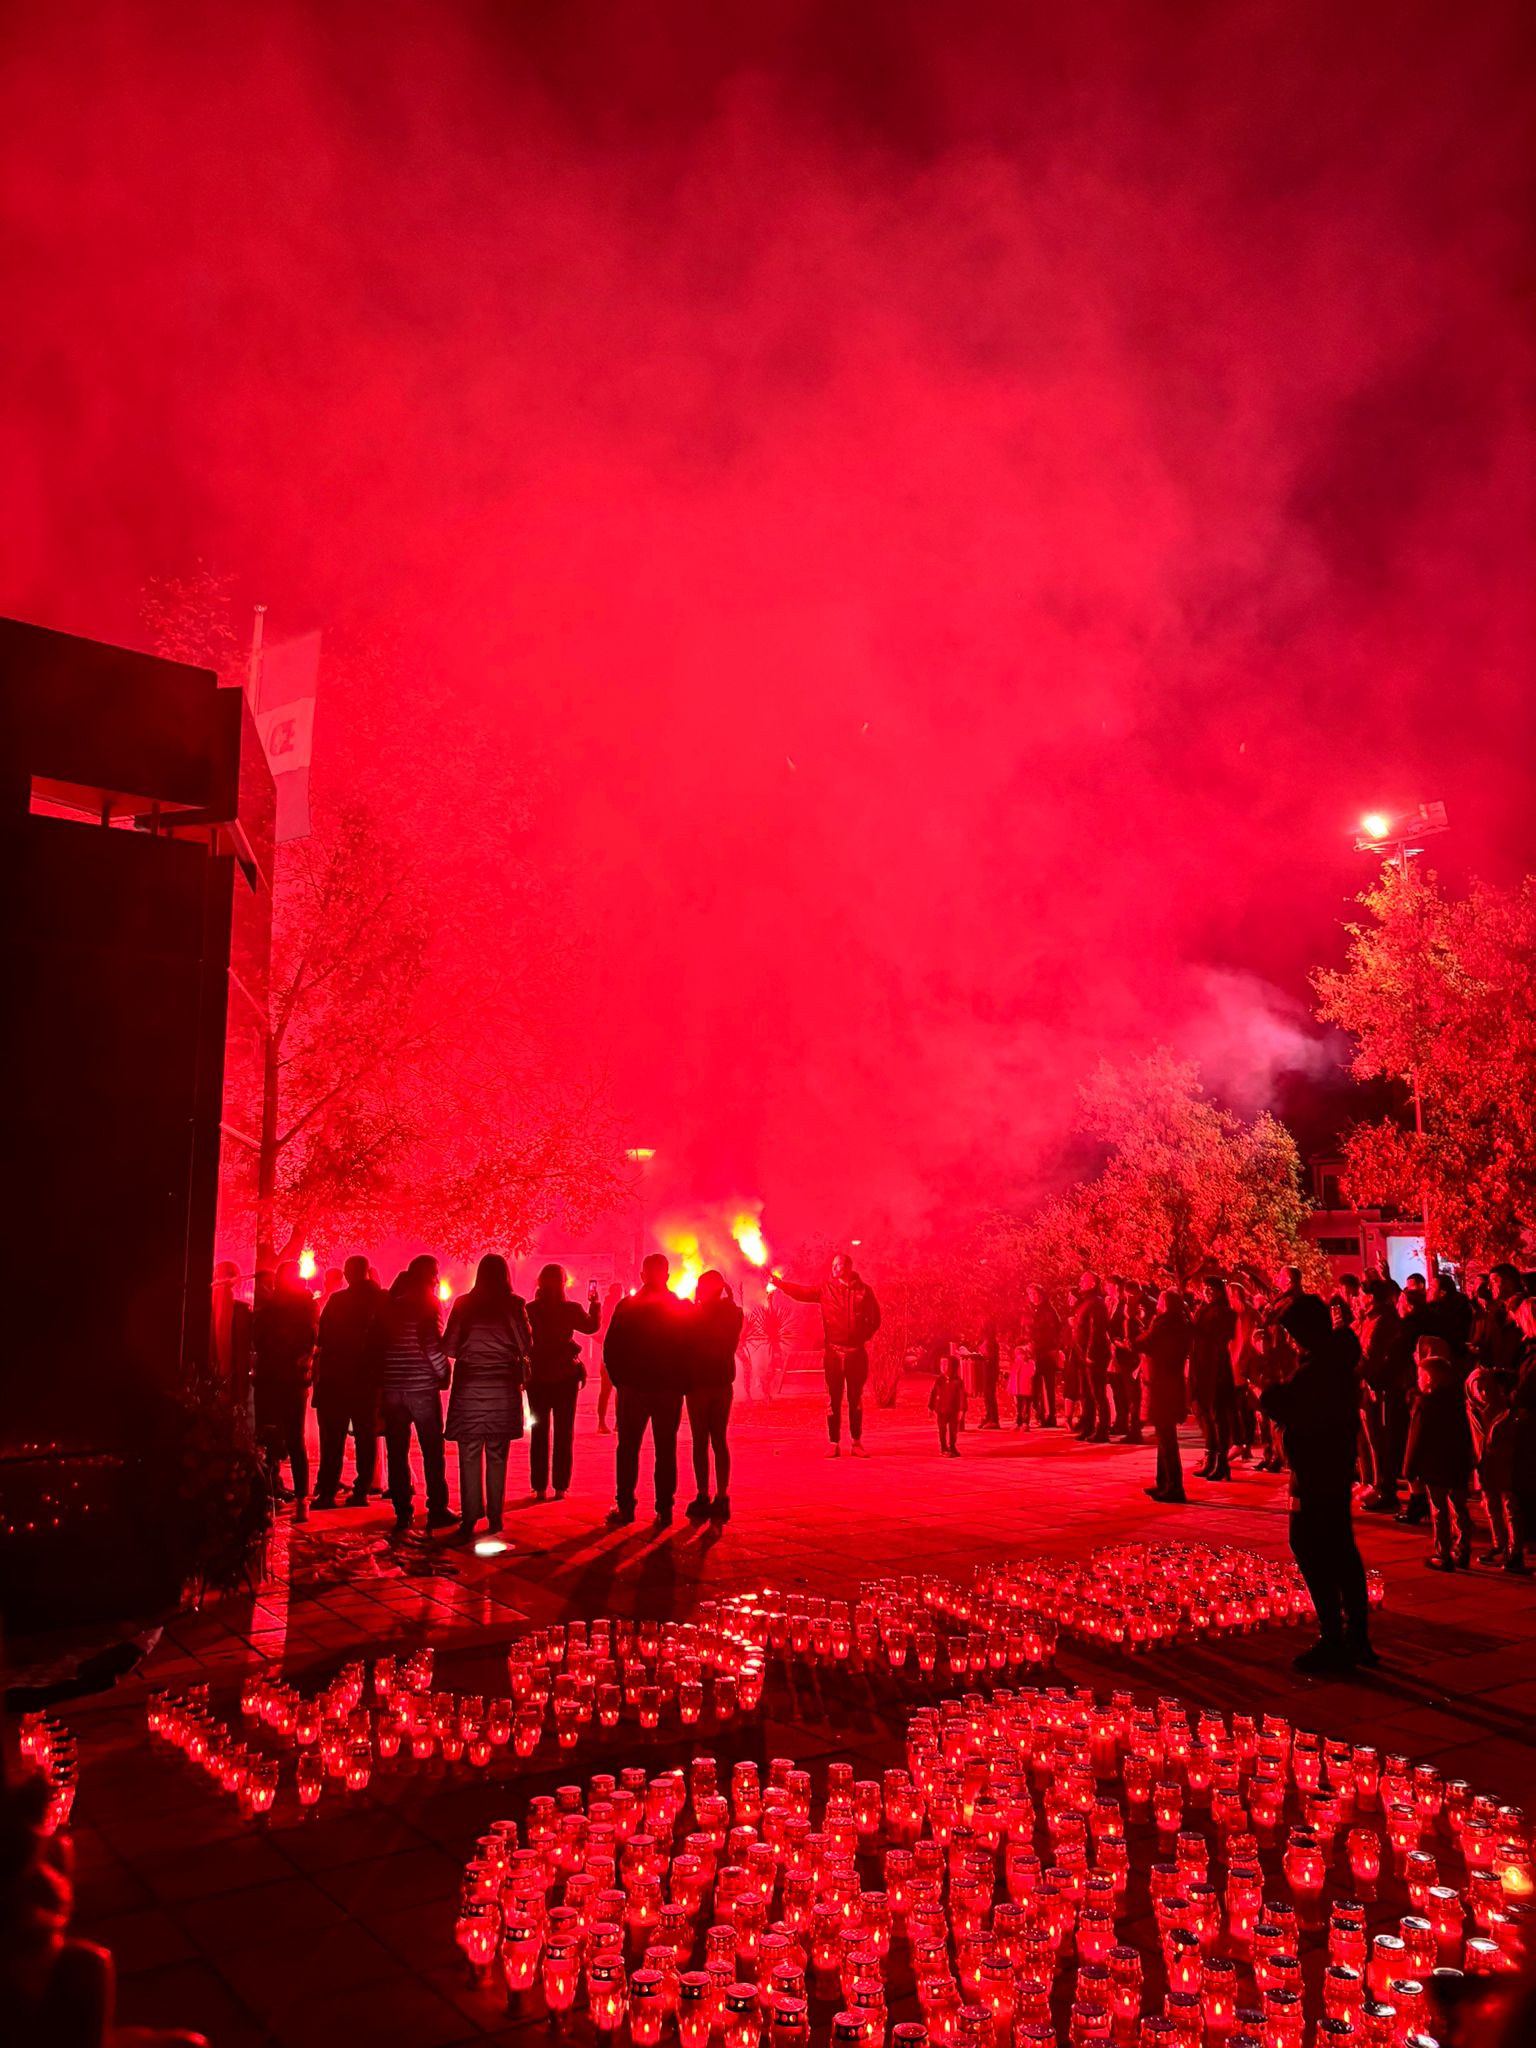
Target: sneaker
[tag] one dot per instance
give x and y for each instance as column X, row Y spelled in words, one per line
column 618, row 1518
column 540, row 1493
column 1324, row 1660
column 355, row 1500
column 559, row 1493
column 663, row 1515
column 445, row 1518
column 697, row 1509
column 857, row 1449
column 322, row 1503
column 1415, row 1511
column 1363, row 1655
column 720, row 1509
column 1440, row 1561
column 1378, row 1504
column 603, row 1429
column 1154, row 1493
column 1490, row 1557
column 301, row 1511
column 833, row 1451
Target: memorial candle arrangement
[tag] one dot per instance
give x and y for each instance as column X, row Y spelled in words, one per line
column 1047, row 1867
column 47, row 1750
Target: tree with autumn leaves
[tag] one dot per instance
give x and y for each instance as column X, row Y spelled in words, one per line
column 401, row 1076
column 1444, row 991
column 1186, row 1186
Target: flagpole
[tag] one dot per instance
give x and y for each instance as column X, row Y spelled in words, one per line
column 257, row 626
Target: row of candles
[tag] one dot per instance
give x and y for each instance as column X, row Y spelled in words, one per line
column 993, row 1874
column 568, row 1679
column 47, row 1750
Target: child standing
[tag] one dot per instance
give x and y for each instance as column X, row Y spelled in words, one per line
column 1497, row 1429
column 1021, row 1384
column 1439, row 1454
column 947, row 1402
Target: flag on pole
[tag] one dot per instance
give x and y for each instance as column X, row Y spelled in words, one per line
column 285, row 719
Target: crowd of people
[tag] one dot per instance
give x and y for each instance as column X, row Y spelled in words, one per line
column 1442, row 1386
column 377, row 1362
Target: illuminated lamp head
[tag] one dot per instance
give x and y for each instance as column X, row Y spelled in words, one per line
column 654, row 1270
column 1375, row 825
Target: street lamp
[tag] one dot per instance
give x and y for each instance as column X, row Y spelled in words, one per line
column 641, row 1156
column 1396, row 836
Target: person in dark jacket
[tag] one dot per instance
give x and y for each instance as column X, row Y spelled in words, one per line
column 233, row 1346
column 1383, row 1394
column 1090, row 1356
column 1045, row 1336
column 850, row 1316
column 1164, row 1348
column 1126, row 1321
column 487, row 1339
column 556, row 1377
column 413, row 1370
column 283, row 1341
column 946, row 1402
column 1315, row 1407
column 1440, row 1454
column 648, row 1352
column 990, row 1352
column 716, row 1333
column 1210, row 1376
column 346, row 1390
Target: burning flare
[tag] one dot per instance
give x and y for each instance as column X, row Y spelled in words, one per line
column 749, row 1239
column 308, row 1264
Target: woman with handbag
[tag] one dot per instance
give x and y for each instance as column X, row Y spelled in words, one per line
column 414, row 1371
column 488, row 1341
column 556, row 1376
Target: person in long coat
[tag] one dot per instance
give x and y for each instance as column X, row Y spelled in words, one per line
column 716, row 1336
column 1164, row 1348
column 487, row 1339
column 556, row 1376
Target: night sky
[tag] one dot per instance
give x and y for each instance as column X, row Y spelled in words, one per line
column 953, row 511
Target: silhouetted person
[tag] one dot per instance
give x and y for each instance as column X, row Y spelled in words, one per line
column 1126, row 1320
column 1164, row 1346
column 487, row 1339
column 1210, row 1376
column 850, row 1316
column 946, row 1401
column 1440, row 1454
column 648, row 1355
column 346, row 1385
column 1045, row 1336
column 611, row 1300
column 233, row 1339
column 555, row 1377
column 413, row 1373
column 1315, row 1407
column 284, row 1342
column 991, row 1368
column 717, row 1322
column 1090, row 1354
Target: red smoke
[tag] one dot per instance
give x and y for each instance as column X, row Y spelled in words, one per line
column 1093, row 449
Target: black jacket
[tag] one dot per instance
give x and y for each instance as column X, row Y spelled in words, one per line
column 850, row 1314
column 1090, row 1329
column 716, row 1334
column 1439, row 1451
column 345, row 1355
column 1210, row 1348
column 648, row 1346
column 1317, row 1410
column 555, row 1326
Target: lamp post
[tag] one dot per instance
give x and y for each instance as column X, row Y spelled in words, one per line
column 641, row 1156
column 1397, row 837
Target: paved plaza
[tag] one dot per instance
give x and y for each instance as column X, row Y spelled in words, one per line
column 341, row 1926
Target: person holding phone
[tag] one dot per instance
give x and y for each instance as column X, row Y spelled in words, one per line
column 556, row 1376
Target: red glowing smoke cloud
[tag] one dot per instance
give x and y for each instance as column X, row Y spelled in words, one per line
column 959, row 518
